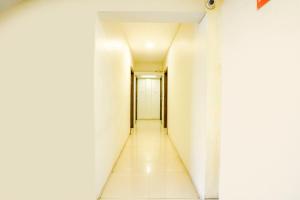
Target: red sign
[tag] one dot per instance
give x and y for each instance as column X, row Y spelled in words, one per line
column 261, row 3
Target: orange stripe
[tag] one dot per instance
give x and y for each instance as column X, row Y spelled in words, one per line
column 261, row 3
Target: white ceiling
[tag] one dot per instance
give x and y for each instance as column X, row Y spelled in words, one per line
column 149, row 42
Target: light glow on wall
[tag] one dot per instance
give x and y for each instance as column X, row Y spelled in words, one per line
column 113, row 45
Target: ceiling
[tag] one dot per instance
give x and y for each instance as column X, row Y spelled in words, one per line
column 149, row 42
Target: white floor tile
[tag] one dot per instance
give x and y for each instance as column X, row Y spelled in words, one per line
column 149, row 168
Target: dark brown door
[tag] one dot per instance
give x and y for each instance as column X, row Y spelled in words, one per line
column 161, row 99
column 166, row 99
column 132, row 100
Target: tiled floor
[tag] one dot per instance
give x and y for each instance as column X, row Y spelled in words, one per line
column 149, row 168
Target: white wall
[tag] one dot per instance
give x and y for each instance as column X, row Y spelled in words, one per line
column 192, row 109
column 261, row 95
column 113, row 63
column 213, row 113
column 183, row 66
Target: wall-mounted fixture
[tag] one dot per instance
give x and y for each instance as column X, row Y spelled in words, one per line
column 210, row 4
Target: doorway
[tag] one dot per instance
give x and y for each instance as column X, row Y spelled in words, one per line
column 132, row 100
column 148, row 98
column 166, row 99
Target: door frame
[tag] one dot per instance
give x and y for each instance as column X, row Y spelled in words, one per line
column 132, row 99
column 139, row 75
column 165, row 117
column 161, row 99
column 160, row 102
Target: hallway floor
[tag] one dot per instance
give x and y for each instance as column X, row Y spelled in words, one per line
column 149, row 168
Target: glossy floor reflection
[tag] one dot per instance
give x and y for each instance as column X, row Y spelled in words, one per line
column 149, row 168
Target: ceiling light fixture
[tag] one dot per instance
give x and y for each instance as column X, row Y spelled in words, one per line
column 148, row 76
column 149, row 45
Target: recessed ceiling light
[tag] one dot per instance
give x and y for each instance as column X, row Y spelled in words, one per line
column 149, row 45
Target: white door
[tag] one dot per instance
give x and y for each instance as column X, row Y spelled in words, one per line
column 148, row 101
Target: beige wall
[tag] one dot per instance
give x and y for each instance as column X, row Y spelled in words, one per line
column 260, row 115
column 193, row 111
column 46, row 84
column 5, row 4
column 113, row 63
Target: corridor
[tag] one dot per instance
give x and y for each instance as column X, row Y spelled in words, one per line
column 149, row 168
column 149, row 100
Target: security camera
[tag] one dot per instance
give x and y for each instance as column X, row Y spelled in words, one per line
column 210, row 4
